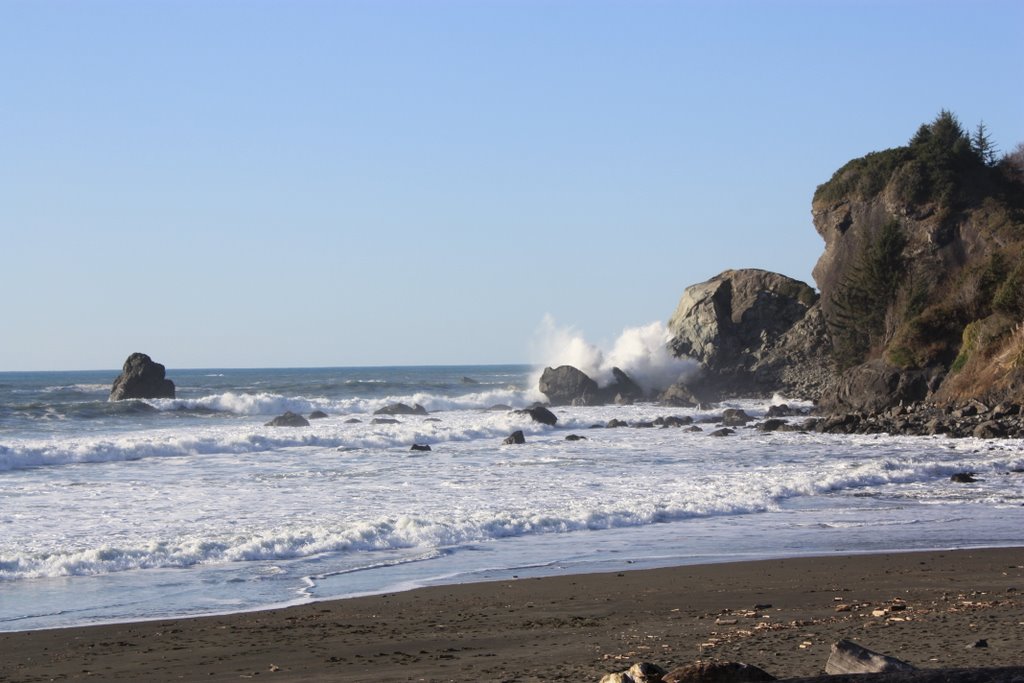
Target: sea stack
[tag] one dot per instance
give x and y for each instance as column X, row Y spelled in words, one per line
column 141, row 378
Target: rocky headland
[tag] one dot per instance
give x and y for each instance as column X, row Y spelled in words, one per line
column 917, row 321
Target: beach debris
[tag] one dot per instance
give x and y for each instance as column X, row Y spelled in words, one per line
column 420, row 447
column 619, row 677
column 317, row 415
column 515, row 437
column 848, row 657
column 289, row 419
column 641, row 672
column 717, row 672
column 401, row 409
column 982, row 643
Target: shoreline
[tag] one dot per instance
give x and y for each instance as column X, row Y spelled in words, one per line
column 926, row 608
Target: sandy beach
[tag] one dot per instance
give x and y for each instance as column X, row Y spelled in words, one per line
column 929, row 609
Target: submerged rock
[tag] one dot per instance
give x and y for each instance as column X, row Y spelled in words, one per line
column 401, row 409
column 289, row 419
column 540, row 414
column 515, row 437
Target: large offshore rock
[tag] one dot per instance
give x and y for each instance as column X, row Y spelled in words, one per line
column 743, row 327
column 566, row 386
column 141, row 377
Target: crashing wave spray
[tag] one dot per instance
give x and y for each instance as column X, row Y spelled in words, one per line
column 640, row 352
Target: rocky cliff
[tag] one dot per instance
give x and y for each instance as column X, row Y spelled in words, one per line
column 921, row 288
column 922, row 276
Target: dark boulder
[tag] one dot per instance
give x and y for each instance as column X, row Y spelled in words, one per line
column 575, row 437
column 963, row 478
column 990, row 429
column 540, row 414
column 515, row 437
column 420, row 447
column 623, row 390
column 616, row 422
column 401, row 409
column 770, row 425
column 568, row 386
column 674, row 421
column 317, row 415
column 289, row 419
column 141, row 377
column 735, row 417
column 724, row 431
column 385, row 421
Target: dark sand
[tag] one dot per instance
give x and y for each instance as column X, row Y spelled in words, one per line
column 925, row 608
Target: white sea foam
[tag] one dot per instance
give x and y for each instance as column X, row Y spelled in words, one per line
column 469, row 490
column 641, row 352
column 243, row 511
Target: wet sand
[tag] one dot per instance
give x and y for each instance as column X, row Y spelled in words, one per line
column 929, row 609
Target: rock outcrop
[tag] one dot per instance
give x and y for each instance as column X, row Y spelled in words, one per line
column 141, row 377
column 567, row 386
column 752, row 334
column 570, row 386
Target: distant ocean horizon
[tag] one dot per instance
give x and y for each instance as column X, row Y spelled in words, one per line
column 187, row 506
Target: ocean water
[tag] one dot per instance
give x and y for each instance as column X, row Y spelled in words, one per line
column 149, row 509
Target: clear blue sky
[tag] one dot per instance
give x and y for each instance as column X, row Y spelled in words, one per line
column 228, row 183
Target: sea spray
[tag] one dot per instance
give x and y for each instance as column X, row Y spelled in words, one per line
column 641, row 352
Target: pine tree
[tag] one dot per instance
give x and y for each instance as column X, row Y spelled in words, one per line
column 983, row 146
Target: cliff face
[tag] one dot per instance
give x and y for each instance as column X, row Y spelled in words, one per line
column 922, row 277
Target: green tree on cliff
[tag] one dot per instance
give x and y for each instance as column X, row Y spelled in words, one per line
column 983, row 146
